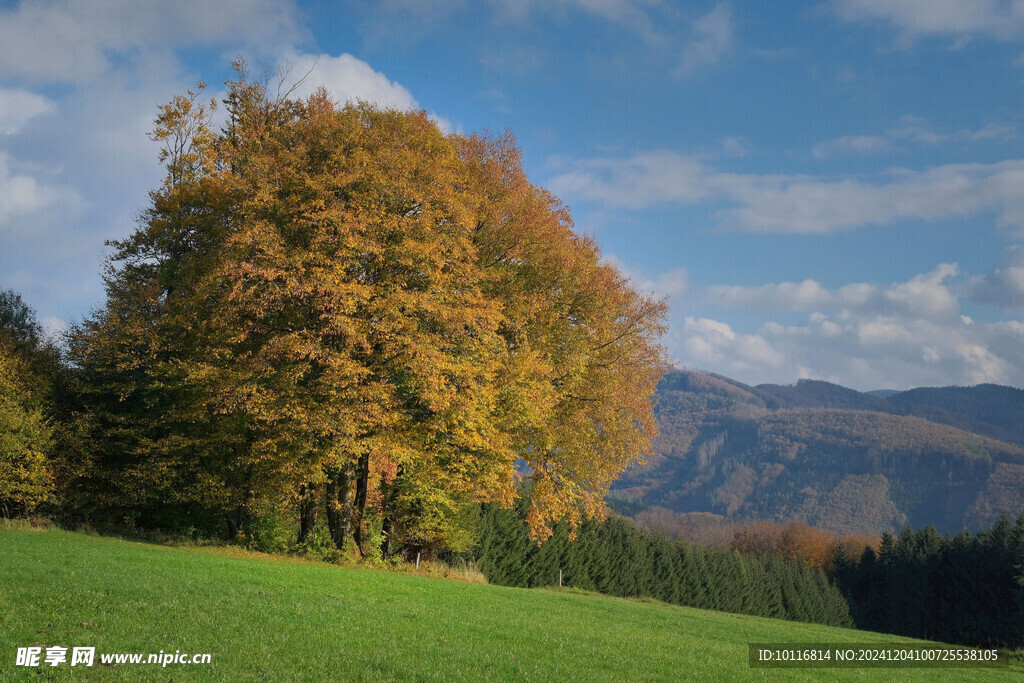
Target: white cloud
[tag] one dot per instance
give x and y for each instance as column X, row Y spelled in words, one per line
column 350, row 79
column 994, row 131
column 926, row 295
column 803, row 296
column 17, row 107
column 74, row 40
column 860, row 352
column 116, row 60
column 91, row 165
column 713, row 37
column 1003, row 284
column 911, row 130
column 21, row 194
column 852, row 144
column 918, row 130
column 800, row 203
column 347, row 78
column 861, row 335
column 713, row 344
column 638, row 182
column 923, row 296
column 959, row 19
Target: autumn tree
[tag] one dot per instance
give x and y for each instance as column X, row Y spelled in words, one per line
column 343, row 308
column 30, row 368
column 583, row 362
column 26, row 479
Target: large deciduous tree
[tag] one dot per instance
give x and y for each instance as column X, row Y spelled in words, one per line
column 343, row 308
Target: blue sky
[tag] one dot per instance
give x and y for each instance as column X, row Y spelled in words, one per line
column 829, row 189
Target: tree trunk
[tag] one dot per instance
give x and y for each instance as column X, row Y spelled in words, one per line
column 236, row 522
column 387, row 527
column 307, row 511
column 362, row 484
column 339, row 504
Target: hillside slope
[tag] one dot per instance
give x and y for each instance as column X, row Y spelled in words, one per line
column 840, row 459
column 287, row 620
column 988, row 409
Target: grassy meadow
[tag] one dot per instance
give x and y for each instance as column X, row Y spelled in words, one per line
column 281, row 619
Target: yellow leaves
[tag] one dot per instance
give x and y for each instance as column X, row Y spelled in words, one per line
column 583, row 358
column 26, row 479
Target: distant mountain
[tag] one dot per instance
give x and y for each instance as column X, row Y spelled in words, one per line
column 882, row 393
column 988, row 409
column 816, row 394
column 841, row 459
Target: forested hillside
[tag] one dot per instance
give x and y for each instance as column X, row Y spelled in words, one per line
column 987, row 409
column 842, row 460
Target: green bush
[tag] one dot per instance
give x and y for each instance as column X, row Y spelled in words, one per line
column 271, row 532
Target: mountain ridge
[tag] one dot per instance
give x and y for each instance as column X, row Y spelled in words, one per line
column 844, row 460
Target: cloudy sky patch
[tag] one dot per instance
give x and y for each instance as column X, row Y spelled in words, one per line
column 832, row 192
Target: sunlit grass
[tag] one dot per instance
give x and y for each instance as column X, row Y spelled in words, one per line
column 276, row 620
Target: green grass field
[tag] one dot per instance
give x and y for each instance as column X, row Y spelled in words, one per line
column 283, row 620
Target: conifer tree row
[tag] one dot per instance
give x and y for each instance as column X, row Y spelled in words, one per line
column 344, row 312
column 961, row 589
column 616, row 558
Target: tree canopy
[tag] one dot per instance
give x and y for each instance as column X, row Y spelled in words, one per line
column 344, row 309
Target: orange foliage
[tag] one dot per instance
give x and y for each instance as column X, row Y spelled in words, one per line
column 795, row 539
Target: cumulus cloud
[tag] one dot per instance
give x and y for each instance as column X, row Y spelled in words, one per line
column 18, row 107
column 350, row 79
column 74, row 40
column 866, row 336
column 911, row 131
column 1003, row 284
column 958, row 19
column 779, row 203
column 65, row 189
column 713, row 344
column 861, row 352
column 927, row 295
column 87, row 179
column 347, row 78
column 713, row 37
